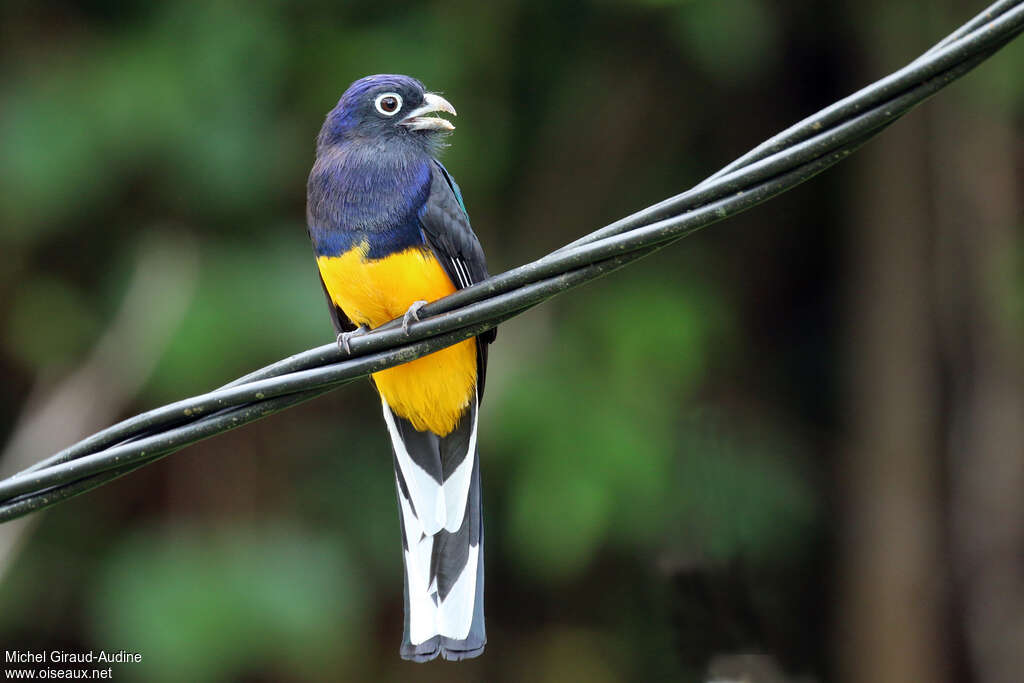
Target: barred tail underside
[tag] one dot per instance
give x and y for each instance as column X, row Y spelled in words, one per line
column 438, row 484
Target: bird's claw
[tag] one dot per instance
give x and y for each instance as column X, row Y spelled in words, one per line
column 412, row 314
column 345, row 338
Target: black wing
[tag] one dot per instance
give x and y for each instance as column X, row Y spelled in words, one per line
column 338, row 317
column 446, row 227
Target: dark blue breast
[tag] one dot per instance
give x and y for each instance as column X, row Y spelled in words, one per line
column 332, row 242
column 356, row 197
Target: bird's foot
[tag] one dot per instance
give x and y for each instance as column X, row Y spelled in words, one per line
column 412, row 314
column 345, row 338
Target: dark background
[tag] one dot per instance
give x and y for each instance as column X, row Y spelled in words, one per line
column 790, row 447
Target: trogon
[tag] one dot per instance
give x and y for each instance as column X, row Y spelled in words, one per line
column 390, row 232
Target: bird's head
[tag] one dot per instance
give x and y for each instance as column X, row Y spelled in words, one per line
column 388, row 107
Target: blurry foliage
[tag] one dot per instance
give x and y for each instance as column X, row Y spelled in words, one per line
column 1014, row 306
column 596, row 470
column 53, row 340
column 741, row 492
column 247, row 288
column 570, row 655
column 110, row 109
column 747, row 26
column 361, row 461
column 255, row 601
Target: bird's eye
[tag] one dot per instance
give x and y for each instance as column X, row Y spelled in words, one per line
column 389, row 103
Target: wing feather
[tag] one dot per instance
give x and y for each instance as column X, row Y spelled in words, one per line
column 447, row 230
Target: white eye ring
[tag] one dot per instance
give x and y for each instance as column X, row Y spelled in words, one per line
column 380, row 99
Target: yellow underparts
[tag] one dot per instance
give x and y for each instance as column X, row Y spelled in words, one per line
column 431, row 392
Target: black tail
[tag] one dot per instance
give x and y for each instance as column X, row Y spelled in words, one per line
column 438, row 483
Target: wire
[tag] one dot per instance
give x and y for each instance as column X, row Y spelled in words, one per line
column 777, row 165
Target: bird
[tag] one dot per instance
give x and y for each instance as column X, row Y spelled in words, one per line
column 390, row 232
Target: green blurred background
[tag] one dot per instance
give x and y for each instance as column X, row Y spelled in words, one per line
column 788, row 448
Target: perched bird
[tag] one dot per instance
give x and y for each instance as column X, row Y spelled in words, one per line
column 390, row 232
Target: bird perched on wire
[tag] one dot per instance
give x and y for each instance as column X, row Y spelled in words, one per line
column 390, row 232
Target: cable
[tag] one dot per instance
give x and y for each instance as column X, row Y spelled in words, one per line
column 778, row 164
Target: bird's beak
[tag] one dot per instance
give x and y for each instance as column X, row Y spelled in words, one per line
column 416, row 119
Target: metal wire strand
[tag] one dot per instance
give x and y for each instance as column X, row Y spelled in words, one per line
column 776, row 165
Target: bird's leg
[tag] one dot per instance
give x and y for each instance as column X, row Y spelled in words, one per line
column 345, row 338
column 412, row 314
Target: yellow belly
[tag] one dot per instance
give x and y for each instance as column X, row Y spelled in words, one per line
column 431, row 392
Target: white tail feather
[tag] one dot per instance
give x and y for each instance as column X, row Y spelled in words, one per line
column 422, row 624
column 427, row 495
column 455, row 612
